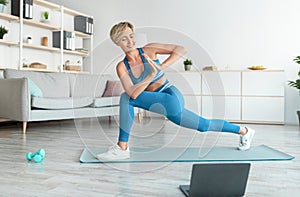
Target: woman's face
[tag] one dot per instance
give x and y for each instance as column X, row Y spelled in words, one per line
column 127, row 40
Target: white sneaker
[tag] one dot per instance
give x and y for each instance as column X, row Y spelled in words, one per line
column 245, row 140
column 114, row 153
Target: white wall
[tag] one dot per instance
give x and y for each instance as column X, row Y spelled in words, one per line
column 234, row 33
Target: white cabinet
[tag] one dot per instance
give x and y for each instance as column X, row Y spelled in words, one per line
column 267, row 109
column 263, row 83
column 263, row 96
column 221, row 93
column 60, row 19
column 221, row 107
column 189, row 83
column 221, row 83
column 239, row 96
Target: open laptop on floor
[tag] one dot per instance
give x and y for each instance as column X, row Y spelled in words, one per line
column 217, row 179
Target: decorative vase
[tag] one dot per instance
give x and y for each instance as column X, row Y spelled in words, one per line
column 1, row 36
column 187, row 67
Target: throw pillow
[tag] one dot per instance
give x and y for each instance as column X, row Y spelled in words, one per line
column 34, row 89
column 113, row 88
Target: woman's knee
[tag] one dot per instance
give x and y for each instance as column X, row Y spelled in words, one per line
column 124, row 98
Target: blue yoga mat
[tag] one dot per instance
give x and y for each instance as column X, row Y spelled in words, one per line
column 215, row 154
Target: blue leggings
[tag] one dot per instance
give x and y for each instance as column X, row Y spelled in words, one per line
column 170, row 103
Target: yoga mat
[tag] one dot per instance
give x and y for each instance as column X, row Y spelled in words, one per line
column 255, row 153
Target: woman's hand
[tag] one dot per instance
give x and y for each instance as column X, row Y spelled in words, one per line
column 153, row 66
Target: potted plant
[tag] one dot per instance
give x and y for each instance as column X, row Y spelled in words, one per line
column 187, row 64
column 3, row 31
column 296, row 83
column 45, row 16
column 3, row 3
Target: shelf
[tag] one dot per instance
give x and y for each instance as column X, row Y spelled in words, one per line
column 8, row 17
column 76, row 53
column 73, row 12
column 85, row 39
column 38, row 69
column 54, row 49
column 70, row 71
column 46, row 4
column 8, row 43
column 79, row 34
column 41, row 25
column 82, row 35
column 39, row 47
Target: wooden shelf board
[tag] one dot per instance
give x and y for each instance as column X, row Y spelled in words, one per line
column 76, row 53
column 73, row 12
column 71, row 71
column 8, row 16
column 79, row 34
column 54, row 49
column 45, row 48
column 39, row 70
column 83, row 35
column 41, row 25
column 46, row 4
column 9, row 43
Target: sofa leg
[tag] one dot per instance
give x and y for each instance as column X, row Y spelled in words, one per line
column 140, row 117
column 109, row 119
column 24, row 127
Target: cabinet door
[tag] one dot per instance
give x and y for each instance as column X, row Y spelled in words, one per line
column 263, row 109
column 189, row 83
column 221, row 107
column 221, row 83
column 193, row 103
column 263, row 83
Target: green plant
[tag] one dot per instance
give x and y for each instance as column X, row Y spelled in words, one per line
column 3, row 30
column 4, row 2
column 296, row 83
column 46, row 15
column 188, row 62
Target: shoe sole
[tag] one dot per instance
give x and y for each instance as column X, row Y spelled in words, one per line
column 114, row 159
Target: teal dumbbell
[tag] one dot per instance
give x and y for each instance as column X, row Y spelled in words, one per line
column 37, row 156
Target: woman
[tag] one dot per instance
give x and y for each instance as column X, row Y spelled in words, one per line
column 146, row 87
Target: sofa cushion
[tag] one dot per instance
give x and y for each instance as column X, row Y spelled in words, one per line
column 113, row 88
column 61, row 103
column 53, row 85
column 106, row 101
column 34, row 89
column 88, row 85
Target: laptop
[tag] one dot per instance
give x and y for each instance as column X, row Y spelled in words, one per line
column 217, row 179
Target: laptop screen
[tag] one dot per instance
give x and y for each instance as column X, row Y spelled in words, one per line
column 219, row 179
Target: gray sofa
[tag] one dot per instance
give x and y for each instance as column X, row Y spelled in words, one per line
column 64, row 96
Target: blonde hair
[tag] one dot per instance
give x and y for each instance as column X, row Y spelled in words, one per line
column 118, row 29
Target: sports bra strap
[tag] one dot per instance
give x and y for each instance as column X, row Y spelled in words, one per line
column 126, row 63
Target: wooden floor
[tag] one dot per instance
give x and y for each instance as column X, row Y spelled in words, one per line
column 61, row 174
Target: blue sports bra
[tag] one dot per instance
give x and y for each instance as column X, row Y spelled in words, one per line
column 146, row 71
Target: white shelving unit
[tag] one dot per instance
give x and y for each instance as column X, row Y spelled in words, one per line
column 241, row 96
column 62, row 19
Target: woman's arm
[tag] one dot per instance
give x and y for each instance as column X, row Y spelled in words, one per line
column 134, row 90
column 175, row 52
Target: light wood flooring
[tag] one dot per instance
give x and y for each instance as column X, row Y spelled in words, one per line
column 61, row 174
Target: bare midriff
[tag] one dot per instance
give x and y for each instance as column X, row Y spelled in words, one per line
column 156, row 84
